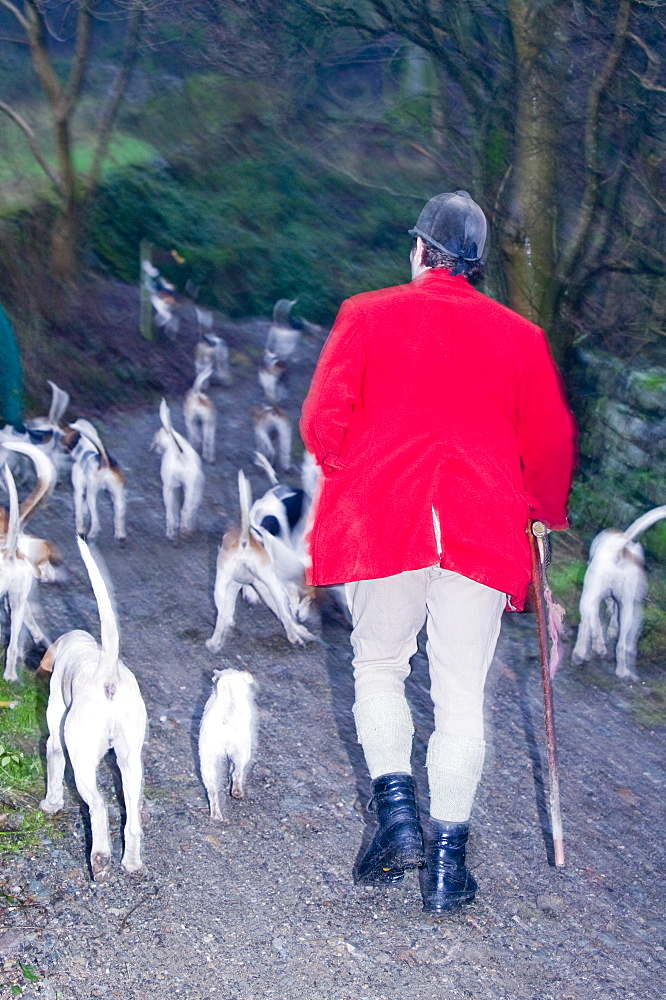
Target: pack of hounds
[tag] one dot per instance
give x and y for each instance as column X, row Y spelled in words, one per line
column 94, row 700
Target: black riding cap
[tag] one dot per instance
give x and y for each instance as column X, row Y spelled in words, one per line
column 455, row 224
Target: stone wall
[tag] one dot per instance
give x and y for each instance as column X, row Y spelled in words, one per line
column 622, row 414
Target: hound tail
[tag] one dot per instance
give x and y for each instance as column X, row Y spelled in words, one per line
column 165, row 417
column 59, row 403
column 264, row 464
column 644, row 522
column 245, row 494
column 11, row 539
column 108, row 661
column 202, row 378
column 46, row 477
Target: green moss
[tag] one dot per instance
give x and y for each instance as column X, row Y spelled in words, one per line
column 653, row 382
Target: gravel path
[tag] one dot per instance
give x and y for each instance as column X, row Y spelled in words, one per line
column 264, row 906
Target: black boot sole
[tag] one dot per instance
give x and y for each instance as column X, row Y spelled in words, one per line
column 451, row 903
column 389, row 869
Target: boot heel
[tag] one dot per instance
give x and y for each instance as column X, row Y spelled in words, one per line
column 446, row 882
column 398, row 842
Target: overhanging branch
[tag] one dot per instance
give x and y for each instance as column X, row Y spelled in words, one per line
column 32, row 142
column 574, row 246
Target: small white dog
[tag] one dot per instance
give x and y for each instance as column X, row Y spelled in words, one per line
column 94, row 469
column 615, row 574
column 249, row 559
column 227, row 737
column 200, row 417
column 181, row 467
column 95, row 705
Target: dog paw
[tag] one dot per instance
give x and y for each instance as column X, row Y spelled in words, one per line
column 299, row 635
column 626, row 674
column 217, row 816
column 134, row 867
column 214, row 645
column 51, row 807
column 101, row 865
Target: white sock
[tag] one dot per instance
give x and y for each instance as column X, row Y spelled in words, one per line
column 384, row 728
column 454, row 767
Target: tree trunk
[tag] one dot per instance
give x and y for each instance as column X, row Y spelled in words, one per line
column 65, row 233
column 528, row 229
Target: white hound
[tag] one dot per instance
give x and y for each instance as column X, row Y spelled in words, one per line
column 94, row 469
column 272, row 434
column 200, row 417
column 615, row 574
column 94, row 705
column 181, row 467
column 264, row 568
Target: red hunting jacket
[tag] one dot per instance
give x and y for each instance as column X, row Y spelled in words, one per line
column 431, row 397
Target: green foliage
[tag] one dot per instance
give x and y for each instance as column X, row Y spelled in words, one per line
column 653, row 637
column 590, row 505
column 566, row 580
column 655, row 542
column 267, row 230
column 21, row 768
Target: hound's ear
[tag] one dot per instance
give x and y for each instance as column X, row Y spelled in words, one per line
column 71, row 438
column 47, row 660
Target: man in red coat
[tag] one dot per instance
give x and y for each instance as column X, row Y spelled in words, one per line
column 437, row 417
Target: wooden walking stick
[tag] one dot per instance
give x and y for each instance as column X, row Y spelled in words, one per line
column 538, row 536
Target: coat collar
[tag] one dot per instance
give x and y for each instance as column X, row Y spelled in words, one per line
column 439, row 276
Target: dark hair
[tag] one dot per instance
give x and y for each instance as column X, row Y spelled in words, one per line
column 432, row 257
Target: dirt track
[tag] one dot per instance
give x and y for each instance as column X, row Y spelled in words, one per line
column 264, row 905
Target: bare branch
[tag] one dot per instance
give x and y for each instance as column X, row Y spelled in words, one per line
column 13, row 9
column 81, row 51
column 32, row 141
column 648, row 79
column 601, row 82
column 36, row 31
column 115, row 97
column 650, row 193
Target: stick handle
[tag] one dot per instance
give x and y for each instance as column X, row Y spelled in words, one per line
column 537, row 530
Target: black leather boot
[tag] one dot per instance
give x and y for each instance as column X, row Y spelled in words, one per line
column 446, row 882
column 398, row 842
